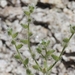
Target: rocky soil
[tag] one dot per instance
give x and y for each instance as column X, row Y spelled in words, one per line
column 51, row 20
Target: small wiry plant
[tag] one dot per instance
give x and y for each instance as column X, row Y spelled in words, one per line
column 42, row 47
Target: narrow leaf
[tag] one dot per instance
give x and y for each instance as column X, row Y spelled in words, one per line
column 47, row 43
column 17, row 56
column 28, row 71
column 14, row 35
column 44, row 70
column 45, row 64
column 10, row 32
column 30, row 34
column 65, row 40
column 13, row 42
column 26, row 61
column 29, row 19
column 72, row 29
column 24, row 41
column 43, row 42
column 19, row 46
column 55, row 57
column 27, row 13
column 38, row 50
column 31, row 8
column 36, row 67
column 24, row 25
column 50, row 52
column 33, row 55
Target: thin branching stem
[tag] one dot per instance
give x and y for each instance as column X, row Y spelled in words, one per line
column 30, row 48
column 20, row 56
column 50, row 68
column 65, row 46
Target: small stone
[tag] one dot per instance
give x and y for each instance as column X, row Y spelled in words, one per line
column 19, row 70
column 9, row 69
column 39, row 33
column 53, row 74
column 11, row 12
column 61, row 73
column 71, row 5
column 41, row 14
column 13, row 1
column 16, row 3
column 26, row 1
column 8, row 22
column 16, row 26
column 58, row 36
column 5, row 73
column 3, row 65
column 44, row 1
column 67, row 11
column 52, row 41
column 29, row 1
column 26, row 53
column 65, row 58
column 23, row 21
column 1, row 44
column 57, row 47
column 62, row 67
column 58, row 3
column 3, row 37
column 54, row 70
column 65, row 2
column 3, row 3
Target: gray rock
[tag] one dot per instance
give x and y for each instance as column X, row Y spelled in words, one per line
column 16, row 2
column 71, row 5
column 29, row 1
column 3, row 3
column 16, row 26
column 12, row 12
column 3, row 65
column 1, row 44
column 39, row 33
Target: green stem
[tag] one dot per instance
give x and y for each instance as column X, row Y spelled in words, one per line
column 20, row 56
column 60, row 54
column 46, row 53
column 65, row 46
column 30, row 48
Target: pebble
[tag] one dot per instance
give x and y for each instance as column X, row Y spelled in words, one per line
column 5, row 73
column 26, row 53
column 31, row 2
column 57, row 47
column 58, row 3
column 3, row 65
column 1, row 44
column 62, row 68
column 16, row 3
column 41, row 33
column 71, row 5
column 25, row 1
column 3, row 3
column 10, row 12
column 16, row 26
column 69, row 58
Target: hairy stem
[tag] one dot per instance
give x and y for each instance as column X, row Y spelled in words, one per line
column 30, row 48
column 60, row 54
column 20, row 56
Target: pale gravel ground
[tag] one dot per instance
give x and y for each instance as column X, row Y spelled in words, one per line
column 50, row 22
